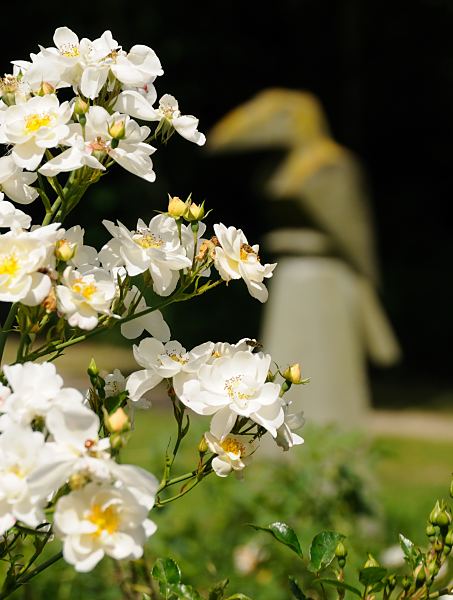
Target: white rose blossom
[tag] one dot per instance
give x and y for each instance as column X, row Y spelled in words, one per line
column 23, row 255
column 36, row 388
column 4, row 393
column 136, row 68
column 65, row 62
column 162, row 361
column 140, row 106
column 75, row 448
column 21, row 451
column 15, row 183
column 115, row 383
column 12, row 217
column 233, row 453
column 83, row 256
column 155, row 248
column 38, row 124
column 233, row 386
column 41, row 73
column 100, row 520
column 86, row 65
column 286, row 438
column 96, row 140
column 14, row 88
column 222, row 349
column 153, row 322
column 236, row 259
column 84, row 295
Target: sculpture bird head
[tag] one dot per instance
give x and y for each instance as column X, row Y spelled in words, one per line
column 275, row 117
column 319, row 173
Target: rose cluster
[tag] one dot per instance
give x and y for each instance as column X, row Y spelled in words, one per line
column 50, row 437
column 51, row 267
column 67, row 116
column 229, row 382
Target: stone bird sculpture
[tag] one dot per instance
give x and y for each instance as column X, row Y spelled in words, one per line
column 323, row 305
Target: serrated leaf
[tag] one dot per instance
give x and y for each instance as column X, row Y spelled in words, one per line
column 340, row 585
column 167, row 573
column 295, row 589
column 371, row 575
column 218, row 591
column 322, row 550
column 284, row 534
column 411, row 553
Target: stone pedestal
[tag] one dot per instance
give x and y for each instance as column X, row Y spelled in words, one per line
column 323, row 315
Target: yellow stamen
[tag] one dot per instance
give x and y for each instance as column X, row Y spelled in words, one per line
column 105, row 519
column 9, row 265
column 35, row 122
column 85, row 289
column 17, row 470
column 148, row 240
column 168, row 112
column 231, row 389
column 247, row 251
column 69, row 50
column 178, row 358
column 232, row 445
column 99, row 145
column 9, row 84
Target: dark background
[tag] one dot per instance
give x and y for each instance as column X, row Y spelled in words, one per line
column 384, row 74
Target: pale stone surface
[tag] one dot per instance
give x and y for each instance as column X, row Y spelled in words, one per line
column 322, row 314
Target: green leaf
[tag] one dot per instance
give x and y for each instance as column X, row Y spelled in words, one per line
column 167, row 573
column 284, row 534
column 411, row 554
column 322, row 550
column 371, row 575
column 340, row 585
column 218, row 591
column 238, row 597
column 183, row 592
column 112, row 403
column 295, row 589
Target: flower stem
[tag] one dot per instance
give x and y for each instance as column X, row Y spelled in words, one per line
column 22, row 580
column 174, row 480
column 178, row 297
column 186, row 490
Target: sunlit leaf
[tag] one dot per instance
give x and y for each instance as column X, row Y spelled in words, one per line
column 284, row 534
column 322, row 549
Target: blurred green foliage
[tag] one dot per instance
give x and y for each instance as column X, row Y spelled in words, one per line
column 364, row 489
